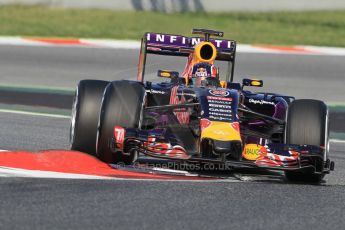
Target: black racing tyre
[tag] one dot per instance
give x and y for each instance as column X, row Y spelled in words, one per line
column 122, row 105
column 85, row 113
column 307, row 123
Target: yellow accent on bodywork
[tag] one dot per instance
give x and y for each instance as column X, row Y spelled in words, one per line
column 165, row 74
column 256, row 83
column 222, row 131
column 197, row 53
column 251, row 151
column 223, row 84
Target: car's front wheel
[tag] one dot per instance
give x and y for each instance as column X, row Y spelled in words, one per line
column 122, row 105
column 307, row 124
column 85, row 113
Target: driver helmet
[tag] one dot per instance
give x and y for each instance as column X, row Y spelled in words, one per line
column 201, row 71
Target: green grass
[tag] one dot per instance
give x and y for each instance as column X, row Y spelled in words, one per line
column 325, row 28
column 334, row 135
column 340, row 108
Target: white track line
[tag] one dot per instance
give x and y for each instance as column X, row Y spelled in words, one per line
column 113, row 44
column 34, row 113
column 18, row 41
column 337, row 141
column 17, row 172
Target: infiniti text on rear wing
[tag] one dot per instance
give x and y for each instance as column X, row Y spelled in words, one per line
column 177, row 45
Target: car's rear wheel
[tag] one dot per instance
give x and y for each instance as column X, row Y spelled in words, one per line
column 307, row 124
column 122, row 105
column 85, row 113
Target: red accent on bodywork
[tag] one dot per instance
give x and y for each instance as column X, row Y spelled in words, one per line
column 267, row 158
column 263, row 151
column 187, row 73
column 182, row 117
column 214, row 71
column 236, row 126
column 204, row 123
column 140, row 66
column 165, row 149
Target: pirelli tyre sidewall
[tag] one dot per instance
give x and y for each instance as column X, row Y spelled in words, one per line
column 122, row 105
column 307, row 123
column 85, row 113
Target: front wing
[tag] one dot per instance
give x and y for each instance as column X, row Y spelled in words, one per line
column 159, row 143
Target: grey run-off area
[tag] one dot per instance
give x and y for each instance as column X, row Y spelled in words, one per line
column 192, row 5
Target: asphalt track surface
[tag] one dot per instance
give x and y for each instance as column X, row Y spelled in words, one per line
column 313, row 76
column 243, row 201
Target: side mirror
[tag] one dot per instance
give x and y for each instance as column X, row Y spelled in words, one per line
column 167, row 74
column 252, row 82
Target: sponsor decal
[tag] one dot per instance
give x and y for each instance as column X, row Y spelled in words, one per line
column 119, row 135
column 220, row 114
column 261, row 102
column 220, row 108
column 181, row 40
column 220, row 102
column 165, row 38
column 219, row 93
column 251, row 151
column 221, row 132
column 220, row 118
column 219, row 98
column 156, row 91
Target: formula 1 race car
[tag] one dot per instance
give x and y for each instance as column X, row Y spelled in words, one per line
column 200, row 115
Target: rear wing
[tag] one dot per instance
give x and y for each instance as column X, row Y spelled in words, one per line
column 178, row 45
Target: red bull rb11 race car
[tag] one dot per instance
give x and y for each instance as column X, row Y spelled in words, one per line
column 200, row 115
